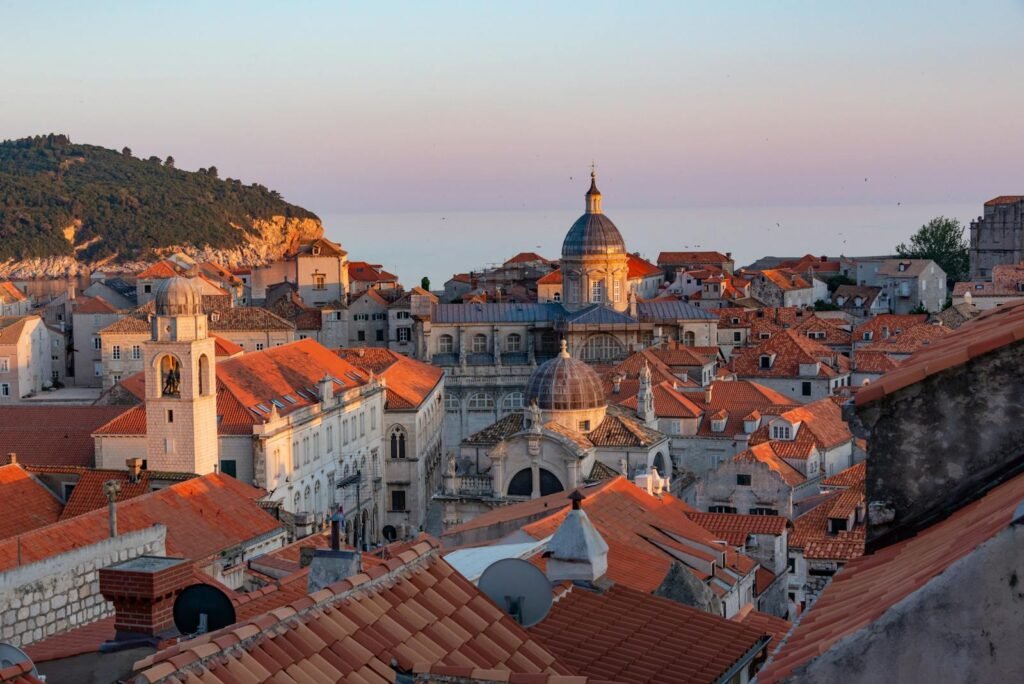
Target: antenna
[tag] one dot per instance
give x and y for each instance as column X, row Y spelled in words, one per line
column 12, row 655
column 519, row 588
column 202, row 608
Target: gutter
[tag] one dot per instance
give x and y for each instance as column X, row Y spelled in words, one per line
column 743, row 661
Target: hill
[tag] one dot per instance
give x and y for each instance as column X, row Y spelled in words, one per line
column 66, row 202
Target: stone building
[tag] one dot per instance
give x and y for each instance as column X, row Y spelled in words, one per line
column 489, row 350
column 906, row 284
column 997, row 237
column 318, row 268
column 780, row 287
column 1005, row 284
column 26, row 363
column 793, row 364
column 672, row 262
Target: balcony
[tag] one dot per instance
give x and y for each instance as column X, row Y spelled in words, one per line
column 473, row 485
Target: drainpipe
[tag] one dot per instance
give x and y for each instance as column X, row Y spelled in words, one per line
column 112, row 488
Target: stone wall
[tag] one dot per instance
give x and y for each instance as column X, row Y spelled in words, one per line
column 62, row 592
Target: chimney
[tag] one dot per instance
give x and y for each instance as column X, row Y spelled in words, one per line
column 616, row 384
column 12, row 458
column 111, row 488
column 326, row 389
column 134, row 469
column 576, row 552
column 333, row 564
column 143, row 590
column 707, row 393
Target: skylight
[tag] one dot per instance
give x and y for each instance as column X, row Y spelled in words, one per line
column 290, row 399
column 277, row 402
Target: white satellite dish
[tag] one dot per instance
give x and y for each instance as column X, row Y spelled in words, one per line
column 12, row 655
column 519, row 588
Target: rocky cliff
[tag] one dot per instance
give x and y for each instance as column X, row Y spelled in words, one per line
column 264, row 241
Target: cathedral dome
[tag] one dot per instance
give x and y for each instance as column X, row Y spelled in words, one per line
column 565, row 384
column 178, row 297
column 593, row 234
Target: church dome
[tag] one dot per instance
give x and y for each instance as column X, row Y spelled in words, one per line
column 565, row 384
column 178, row 297
column 593, row 234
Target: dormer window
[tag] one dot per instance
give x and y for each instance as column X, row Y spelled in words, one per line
column 718, row 425
column 214, row 317
column 764, row 335
column 735, row 321
column 868, row 335
column 782, row 431
column 885, row 332
column 765, row 361
column 316, row 250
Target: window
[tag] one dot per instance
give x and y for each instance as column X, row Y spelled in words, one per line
column 362, row 424
column 402, row 315
column 781, row 431
column 361, row 335
column 344, row 431
column 737, row 336
column 319, row 281
column 617, row 290
column 480, row 402
column 805, row 389
column 445, row 344
column 380, row 316
column 557, row 297
column 5, row 389
column 764, row 335
column 721, row 509
column 603, row 347
column 5, row 365
column 743, row 480
column 761, row 510
column 147, row 288
column 96, row 343
column 398, row 500
column 330, row 438
column 229, row 467
column 513, row 343
column 169, row 445
column 583, row 426
column 451, row 403
column 373, row 417
column 316, row 445
column 97, row 369
column 170, row 415
column 791, row 566
column 380, row 335
column 398, row 443
column 136, row 352
column 361, row 317
column 766, row 361
column 259, row 346
column 115, row 352
column 513, row 401
column 404, row 334
column 479, row 344
column 596, row 292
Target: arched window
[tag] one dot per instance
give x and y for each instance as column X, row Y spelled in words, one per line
column 170, row 376
column 480, row 402
column 318, row 505
column 451, row 403
column 397, row 442
column 305, row 499
column 557, row 297
column 445, row 344
column 205, row 379
column 513, row 342
column 297, row 504
column 479, row 344
column 689, row 339
column 522, row 483
column 659, row 464
column 603, row 347
column 513, row 401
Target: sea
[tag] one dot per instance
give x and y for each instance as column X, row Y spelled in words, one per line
column 439, row 244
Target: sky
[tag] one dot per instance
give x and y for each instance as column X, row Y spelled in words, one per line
column 385, row 107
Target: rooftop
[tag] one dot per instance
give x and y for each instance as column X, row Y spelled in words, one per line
column 25, row 503
column 67, row 439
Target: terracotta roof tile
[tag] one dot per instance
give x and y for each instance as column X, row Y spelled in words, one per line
column 772, row 625
column 629, row 635
column 868, row 586
column 25, row 503
column 671, row 258
column 789, row 350
column 93, row 305
column 734, row 528
column 640, row 268
column 409, row 382
column 851, row 477
column 67, row 439
column 203, row 516
column 553, row 278
column 369, row 273
column 622, row 431
column 88, row 494
column 821, row 425
column 765, row 453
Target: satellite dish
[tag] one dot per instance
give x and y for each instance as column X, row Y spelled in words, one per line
column 202, row 608
column 519, row 588
column 390, row 533
column 12, row 655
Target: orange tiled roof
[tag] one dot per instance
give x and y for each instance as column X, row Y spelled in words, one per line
column 738, row 398
column 821, row 423
column 67, row 439
column 670, row 258
column 232, row 417
column 989, row 331
column 790, row 350
column 25, row 503
column 765, row 453
column 622, row 431
column 409, row 382
column 627, row 635
column 225, row 347
column 894, row 323
column 1004, row 199
column 203, row 516
column 93, row 305
column 88, row 494
column 553, row 278
column 414, row 610
column 668, row 402
column 868, row 586
column 909, row 341
column 160, row 270
column 812, row 528
column 735, row 528
column 9, row 292
column 873, row 361
column 851, row 477
column 784, row 279
column 775, row 627
column 369, row 273
column 640, row 268
column 526, row 257
column 11, row 328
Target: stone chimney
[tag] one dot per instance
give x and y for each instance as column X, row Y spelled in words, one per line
column 143, row 590
column 334, row 564
column 616, row 383
column 12, row 458
column 577, row 552
column 707, row 393
column 111, row 488
column 326, row 389
column 134, row 469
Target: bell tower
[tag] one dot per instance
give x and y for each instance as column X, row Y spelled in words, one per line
column 181, row 392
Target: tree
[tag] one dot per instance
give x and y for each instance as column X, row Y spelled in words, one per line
column 825, row 305
column 941, row 240
column 169, row 162
column 835, row 281
column 425, row 283
column 212, row 172
column 126, row 152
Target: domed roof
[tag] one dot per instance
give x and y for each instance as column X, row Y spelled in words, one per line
column 178, row 296
column 593, row 234
column 565, row 384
